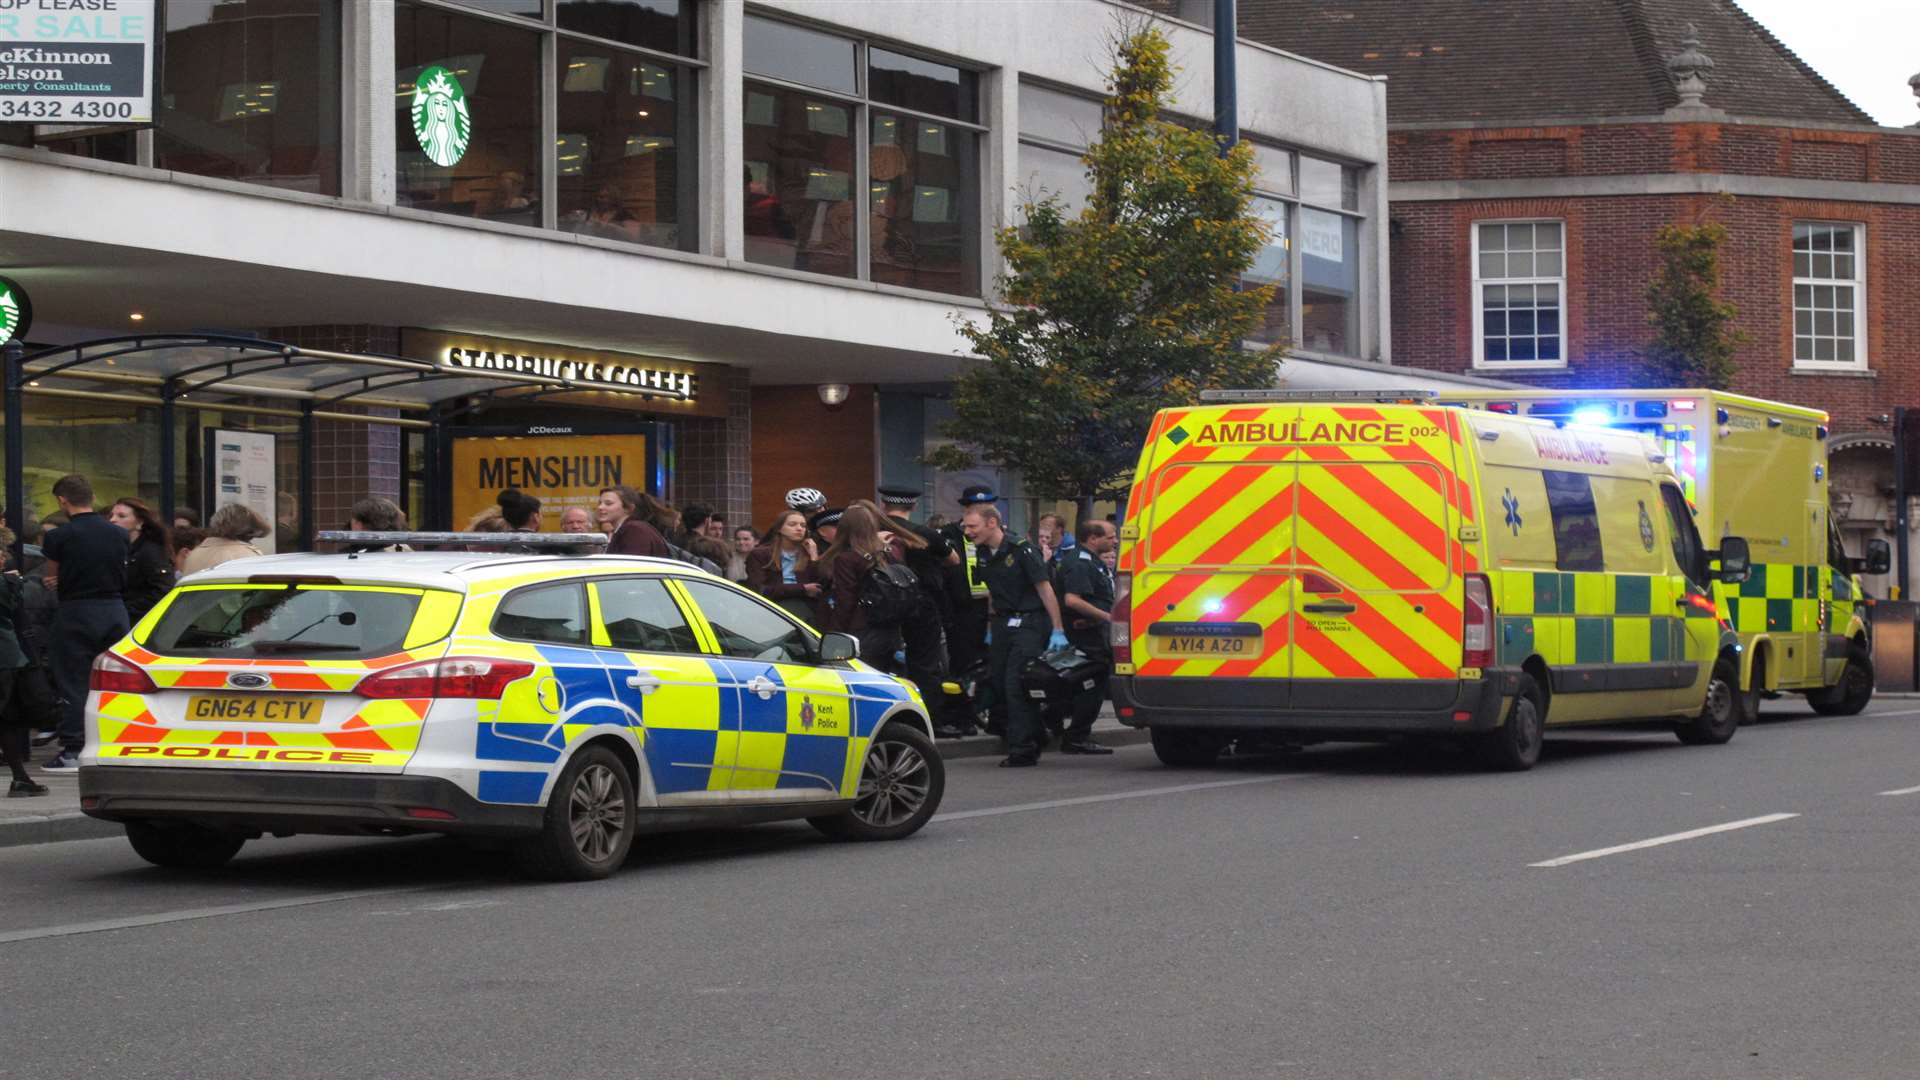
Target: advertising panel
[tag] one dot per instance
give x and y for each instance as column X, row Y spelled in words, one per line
column 63, row 62
column 241, row 466
column 554, row 465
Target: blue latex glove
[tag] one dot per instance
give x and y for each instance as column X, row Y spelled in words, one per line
column 1057, row 641
column 989, row 634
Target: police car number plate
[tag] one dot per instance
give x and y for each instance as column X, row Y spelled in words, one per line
column 252, row 709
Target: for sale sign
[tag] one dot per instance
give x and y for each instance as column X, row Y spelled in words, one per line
column 76, row 61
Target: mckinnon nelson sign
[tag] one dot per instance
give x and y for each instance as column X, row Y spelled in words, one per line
column 76, row 61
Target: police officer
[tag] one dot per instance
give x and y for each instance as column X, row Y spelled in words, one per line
column 967, row 617
column 1086, row 603
column 925, row 638
column 1024, row 622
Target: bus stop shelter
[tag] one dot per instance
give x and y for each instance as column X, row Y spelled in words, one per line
column 171, row 373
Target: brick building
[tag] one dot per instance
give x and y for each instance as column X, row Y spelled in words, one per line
column 1535, row 149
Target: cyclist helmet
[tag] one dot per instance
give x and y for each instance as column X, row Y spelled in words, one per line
column 806, row 499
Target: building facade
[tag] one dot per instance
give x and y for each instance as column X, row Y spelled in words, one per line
column 1535, row 151
column 789, row 203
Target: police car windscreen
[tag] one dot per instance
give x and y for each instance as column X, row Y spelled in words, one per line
column 284, row 621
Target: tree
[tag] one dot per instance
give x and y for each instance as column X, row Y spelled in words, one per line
column 1694, row 339
column 1126, row 307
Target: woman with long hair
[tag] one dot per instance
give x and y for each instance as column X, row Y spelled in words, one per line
column 856, row 552
column 628, row 532
column 781, row 568
column 150, row 572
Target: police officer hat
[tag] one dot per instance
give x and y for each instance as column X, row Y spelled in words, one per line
column 977, row 493
column 903, row 497
column 825, row 518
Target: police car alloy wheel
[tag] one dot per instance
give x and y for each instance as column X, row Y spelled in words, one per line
column 900, row 788
column 183, row 846
column 589, row 821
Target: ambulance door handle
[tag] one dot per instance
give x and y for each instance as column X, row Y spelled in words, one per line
column 644, row 681
column 1335, row 608
column 763, row 686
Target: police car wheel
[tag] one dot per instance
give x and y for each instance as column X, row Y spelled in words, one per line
column 1720, row 714
column 1515, row 745
column 589, row 821
column 900, row 787
column 1854, row 690
column 1182, row 749
column 182, row 846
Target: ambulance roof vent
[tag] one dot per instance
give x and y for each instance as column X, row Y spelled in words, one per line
column 1388, row 396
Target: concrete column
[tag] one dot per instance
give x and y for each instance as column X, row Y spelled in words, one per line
column 1376, row 280
column 1001, row 162
column 723, row 210
column 367, row 105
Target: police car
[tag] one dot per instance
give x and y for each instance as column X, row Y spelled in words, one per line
column 559, row 703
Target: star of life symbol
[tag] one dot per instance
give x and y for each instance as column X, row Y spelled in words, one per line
column 441, row 122
column 1512, row 506
column 9, row 315
column 806, row 715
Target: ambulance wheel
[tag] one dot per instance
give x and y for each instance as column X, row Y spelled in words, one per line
column 1720, row 714
column 589, row 822
column 900, row 788
column 1854, row 690
column 182, row 846
column 1515, row 745
column 1183, row 749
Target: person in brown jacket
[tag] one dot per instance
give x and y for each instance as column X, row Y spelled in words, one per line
column 857, row 549
column 781, row 568
column 627, row 533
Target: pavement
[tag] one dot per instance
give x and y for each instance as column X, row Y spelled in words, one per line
column 56, row 816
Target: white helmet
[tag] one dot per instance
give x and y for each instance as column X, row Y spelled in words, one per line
column 806, row 499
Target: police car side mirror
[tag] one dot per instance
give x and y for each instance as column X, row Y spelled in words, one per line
column 1878, row 561
column 839, row 647
column 1735, row 560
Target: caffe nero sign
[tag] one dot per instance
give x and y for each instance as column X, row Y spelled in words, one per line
column 76, row 61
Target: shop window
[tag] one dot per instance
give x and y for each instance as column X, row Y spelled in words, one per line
column 799, row 205
column 1060, row 173
column 1519, row 278
column 1329, row 184
column 480, row 153
column 922, row 85
column 1330, row 282
column 251, row 91
column 622, row 168
column 1273, row 265
column 796, row 54
column 1059, row 117
column 924, row 179
column 526, row 9
column 1829, row 295
column 662, row 25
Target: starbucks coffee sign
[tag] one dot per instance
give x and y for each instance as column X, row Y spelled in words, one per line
column 16, row 311
column 662, row 385
column 441, row 122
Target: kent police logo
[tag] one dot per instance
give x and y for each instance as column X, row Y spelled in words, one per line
column 1646, row 528
column 806, row 715
column 441, row 122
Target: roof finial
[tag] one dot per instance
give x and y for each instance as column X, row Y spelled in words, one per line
column 1687, row 67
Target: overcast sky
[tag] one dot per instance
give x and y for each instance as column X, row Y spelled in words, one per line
column 1867, row 48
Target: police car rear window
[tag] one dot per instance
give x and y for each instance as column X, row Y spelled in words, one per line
column 292, row 622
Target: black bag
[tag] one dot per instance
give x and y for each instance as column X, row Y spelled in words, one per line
column 1058, row 675
column 890, row 594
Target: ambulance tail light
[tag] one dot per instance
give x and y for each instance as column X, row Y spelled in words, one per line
column 452, row 677
column 1120, row 630
column 1476, row 638
column 113, row 674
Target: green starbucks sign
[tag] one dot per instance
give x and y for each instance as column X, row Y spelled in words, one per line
column 16, row 311
column 441, row 122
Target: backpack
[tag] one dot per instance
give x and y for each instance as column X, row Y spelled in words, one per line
column 690, row 558
column 890, row 594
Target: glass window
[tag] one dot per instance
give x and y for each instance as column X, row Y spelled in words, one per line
column 1059, row 117
column 1330, row 282
column 285, row 623
column 1276, row 169
column 551, row 613
column 749, row 629
column 924, row 178
column 1274, row 266
column 1687, row 549
column 470, row 144
column 525, row 8
column 1829, row 294
column 1329, row 184
column 640, row 614
column 618, row 158
column 1519, row 275
column 251, row 91
column 799, row 206
column 912, row 83
column 1046, row 172
column 1576, row 523
column 797, row 54
column 664, row 25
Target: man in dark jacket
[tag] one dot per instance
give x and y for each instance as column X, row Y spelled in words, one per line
column 88, row 558
column 925, row 636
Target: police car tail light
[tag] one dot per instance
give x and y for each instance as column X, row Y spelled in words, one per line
column 1120, row 630
column 453, row 677
column 117, row 675
column 1476, row 637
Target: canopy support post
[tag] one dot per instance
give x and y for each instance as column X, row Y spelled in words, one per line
column 16, row 379
column 430, row 467
column 168, row 496
column 306, row 476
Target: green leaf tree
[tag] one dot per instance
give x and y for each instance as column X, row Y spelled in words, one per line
column 1694, row 339
column 1130, row 305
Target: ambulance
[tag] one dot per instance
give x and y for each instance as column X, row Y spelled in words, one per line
column 1755, row 469
column 1308, row 566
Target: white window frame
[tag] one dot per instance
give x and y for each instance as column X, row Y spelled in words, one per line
column 1476, row 303
column 1859, row 285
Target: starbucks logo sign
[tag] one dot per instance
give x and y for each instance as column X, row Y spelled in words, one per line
column 16, row 312
column 440, row 119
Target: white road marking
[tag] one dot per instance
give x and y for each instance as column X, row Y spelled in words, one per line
column 188, row 914
column 1083, row 800
column 1902, row 712
column 1671, row 838
column 1903, row 791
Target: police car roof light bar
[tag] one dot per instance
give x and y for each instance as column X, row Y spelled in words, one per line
column 466, row 539
column 1318, row 395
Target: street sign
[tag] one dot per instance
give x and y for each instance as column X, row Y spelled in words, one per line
column 16, row 311
column 68, row 63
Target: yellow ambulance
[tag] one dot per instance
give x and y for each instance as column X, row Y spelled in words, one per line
column 1755, row 469
column 1305, row 566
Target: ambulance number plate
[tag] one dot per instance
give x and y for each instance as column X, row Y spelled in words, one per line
column 252, row 709
column 1204, row 640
